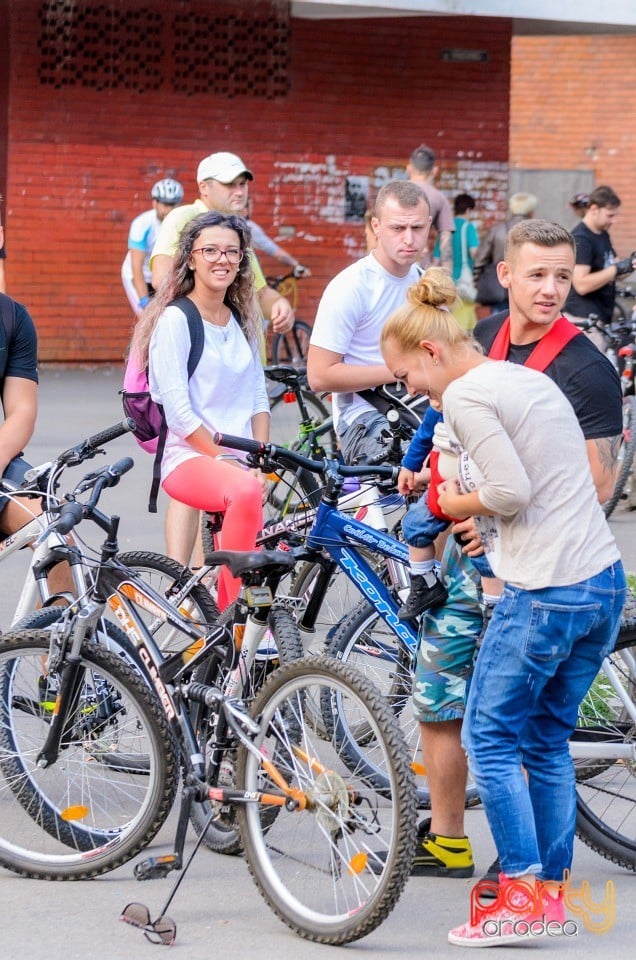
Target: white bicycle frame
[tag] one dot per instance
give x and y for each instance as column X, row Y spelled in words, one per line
column 31, row 591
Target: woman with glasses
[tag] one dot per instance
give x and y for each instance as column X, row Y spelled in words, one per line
column 226, row 391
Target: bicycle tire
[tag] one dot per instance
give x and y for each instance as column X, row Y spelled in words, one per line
column 628, row 453
column 72, row 819
column 292, row 347
column 168, row 577
column 606, row 792
column 365, row 640
column 221, row 835
column 290, row 492
column 311, row 865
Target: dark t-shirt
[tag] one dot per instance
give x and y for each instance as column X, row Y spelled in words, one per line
column 584, row 374
column 20, row 360
column 593, row 250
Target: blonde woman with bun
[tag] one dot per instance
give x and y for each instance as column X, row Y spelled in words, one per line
column 524, row 475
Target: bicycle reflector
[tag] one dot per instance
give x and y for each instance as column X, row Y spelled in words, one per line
column 289, row 397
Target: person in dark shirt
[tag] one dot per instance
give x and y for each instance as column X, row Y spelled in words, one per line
column 18, row 391
column 3, row 257
column 597, row 266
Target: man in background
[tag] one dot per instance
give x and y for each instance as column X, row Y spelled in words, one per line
column 422, row 169
column 135, row 271
column 597, row 266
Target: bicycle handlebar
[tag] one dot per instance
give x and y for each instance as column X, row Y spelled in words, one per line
column 71, row 512
column 88, row 447
column 70, row 516
column 269, row 452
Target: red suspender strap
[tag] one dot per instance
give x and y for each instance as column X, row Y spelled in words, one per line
column 545, row 351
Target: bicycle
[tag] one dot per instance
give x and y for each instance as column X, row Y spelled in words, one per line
column 122, row 732
column 279, row 643
column 384, row 649
column 290, row 347
column 314, row 437
column 48, row 551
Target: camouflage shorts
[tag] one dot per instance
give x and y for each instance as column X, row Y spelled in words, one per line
column 447, row 642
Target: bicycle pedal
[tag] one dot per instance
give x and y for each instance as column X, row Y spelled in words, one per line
column 155, row 868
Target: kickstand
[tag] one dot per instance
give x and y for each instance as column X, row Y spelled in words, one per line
column 149, row 868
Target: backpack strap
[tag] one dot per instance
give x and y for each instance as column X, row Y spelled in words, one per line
column 546, row 350
column 197, row 341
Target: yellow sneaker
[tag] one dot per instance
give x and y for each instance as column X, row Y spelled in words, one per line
column 438, row 856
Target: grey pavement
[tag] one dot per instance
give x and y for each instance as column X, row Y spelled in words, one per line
column 218, row 910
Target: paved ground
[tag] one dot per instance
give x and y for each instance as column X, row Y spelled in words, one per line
column 218, row 910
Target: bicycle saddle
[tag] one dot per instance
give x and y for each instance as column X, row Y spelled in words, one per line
column 240, row 562
column 283, row 373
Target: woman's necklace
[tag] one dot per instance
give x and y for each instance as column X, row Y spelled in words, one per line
column 221, row 323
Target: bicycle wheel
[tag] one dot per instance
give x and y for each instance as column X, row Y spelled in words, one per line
column 311, row 861
column 626, row 455
column 606, row 787
column 290, row 492
column 365, row 640
column 168, row 577
column 114, row 781
column 292, row 347
column 281, row 644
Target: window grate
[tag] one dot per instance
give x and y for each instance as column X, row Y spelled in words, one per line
column 108, row 46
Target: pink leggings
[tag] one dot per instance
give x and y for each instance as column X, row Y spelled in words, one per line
column 219, row 486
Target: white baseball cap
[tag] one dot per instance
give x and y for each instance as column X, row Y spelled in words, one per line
column 224, row 167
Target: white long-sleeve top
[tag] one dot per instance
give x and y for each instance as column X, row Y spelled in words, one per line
column 521, row 447
column 225, row 391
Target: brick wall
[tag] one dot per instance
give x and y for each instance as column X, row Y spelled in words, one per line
column 572, row 108
column 92, row 128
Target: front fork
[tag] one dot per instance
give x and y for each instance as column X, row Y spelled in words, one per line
column 71, row 679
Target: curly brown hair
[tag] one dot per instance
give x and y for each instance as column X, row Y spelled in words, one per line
column 180, row 282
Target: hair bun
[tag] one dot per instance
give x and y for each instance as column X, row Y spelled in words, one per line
column 434, row 288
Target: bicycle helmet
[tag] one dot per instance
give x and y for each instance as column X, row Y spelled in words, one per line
column 167, row 191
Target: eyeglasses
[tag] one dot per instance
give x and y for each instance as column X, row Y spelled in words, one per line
column 163, row 930
column 213, row 254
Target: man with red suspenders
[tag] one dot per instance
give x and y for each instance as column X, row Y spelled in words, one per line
column 537, row 272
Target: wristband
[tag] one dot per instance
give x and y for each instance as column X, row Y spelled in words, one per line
column 144, row 301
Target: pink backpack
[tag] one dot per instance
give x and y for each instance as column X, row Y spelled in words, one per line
column 150, row 423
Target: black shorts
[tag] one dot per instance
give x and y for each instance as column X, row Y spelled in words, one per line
column 14, row 472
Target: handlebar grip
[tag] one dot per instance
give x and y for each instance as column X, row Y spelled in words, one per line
column 241, row 443
column 118, row 469
column 111, row 433
column 70, row 516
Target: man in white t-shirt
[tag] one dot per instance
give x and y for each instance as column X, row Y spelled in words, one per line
column 344, row 354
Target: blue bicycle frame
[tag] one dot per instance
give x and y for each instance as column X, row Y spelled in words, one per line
column 339, row 534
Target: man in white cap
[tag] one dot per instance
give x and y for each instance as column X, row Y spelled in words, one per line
column 223, row 186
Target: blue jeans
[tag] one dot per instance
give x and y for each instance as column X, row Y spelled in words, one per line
column 539, row 656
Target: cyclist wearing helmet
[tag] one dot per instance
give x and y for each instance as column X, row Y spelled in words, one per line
column 135, row 272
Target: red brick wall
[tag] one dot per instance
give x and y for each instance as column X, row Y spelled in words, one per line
column 572, row 107
column 361, row 95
